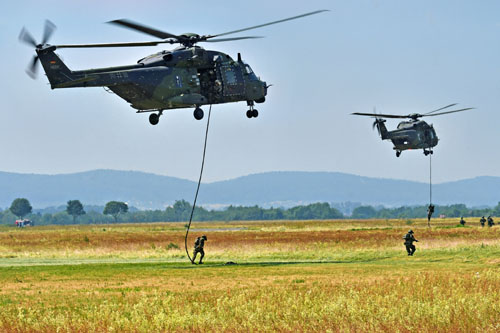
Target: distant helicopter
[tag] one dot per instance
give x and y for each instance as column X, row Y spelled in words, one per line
column 188, row 76
column 412, row 134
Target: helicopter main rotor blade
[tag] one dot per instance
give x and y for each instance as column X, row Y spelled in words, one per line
column 48, row 30
column 130, row 44
column 270, row 23
column 379, row 115
column 216, row 40
column 440, row 113
column 27, row 38
column 145, row 29
column 444, row 107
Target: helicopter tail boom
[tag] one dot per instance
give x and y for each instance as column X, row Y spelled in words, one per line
column 57, row 72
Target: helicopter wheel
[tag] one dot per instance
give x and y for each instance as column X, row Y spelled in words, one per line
column 255, row 113
column 249, row 114
column 426, row 152
column 398, row 153
column 154, row 118
column 198, row 114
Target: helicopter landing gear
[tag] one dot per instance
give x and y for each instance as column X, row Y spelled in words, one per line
column 398, row 153
column 198, row 113
column 252, row 113
column 427, row 152
column 154, row 118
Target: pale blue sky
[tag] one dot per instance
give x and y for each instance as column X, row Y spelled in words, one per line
column 400, row 56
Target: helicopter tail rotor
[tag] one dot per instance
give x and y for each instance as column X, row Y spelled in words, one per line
column 26, row 37
column 376, row 125
column 377, row 121
column 381, row 129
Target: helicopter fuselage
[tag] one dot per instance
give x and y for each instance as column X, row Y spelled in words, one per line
column 188, row 76
column 413, row 134
column 181, row 78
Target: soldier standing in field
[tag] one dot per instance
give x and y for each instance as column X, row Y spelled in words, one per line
column 409, row 239
column 490, row 221
column 198, row 248
column 462, row 221
column 482, row 221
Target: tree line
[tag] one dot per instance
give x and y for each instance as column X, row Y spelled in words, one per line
column 117, row 211
column 456, row 210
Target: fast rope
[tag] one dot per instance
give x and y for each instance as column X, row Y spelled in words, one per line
column 430, row 209
column 199, row 182
column 430, row 179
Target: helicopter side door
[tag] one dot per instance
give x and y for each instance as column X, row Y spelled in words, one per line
column 210, row 85
column 233, row 83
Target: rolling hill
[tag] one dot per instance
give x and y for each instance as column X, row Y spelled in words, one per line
column 145, row 190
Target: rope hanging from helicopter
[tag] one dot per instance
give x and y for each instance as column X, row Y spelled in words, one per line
column 430, row 179
column 430, row 209
column 198, row 187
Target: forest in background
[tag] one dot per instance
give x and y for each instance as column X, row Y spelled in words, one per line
column 181, row 211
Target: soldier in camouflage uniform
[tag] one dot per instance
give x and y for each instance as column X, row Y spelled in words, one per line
column 409, row 239
column 490, row 221
column 482, row 221
column 198, row 248
column 462, row 221
column 430, row 211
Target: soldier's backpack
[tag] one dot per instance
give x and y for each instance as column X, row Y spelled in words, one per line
column 407, row 239
column 197, row 243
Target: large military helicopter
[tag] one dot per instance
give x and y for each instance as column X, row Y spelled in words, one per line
column 188, row 76
column 412, row 134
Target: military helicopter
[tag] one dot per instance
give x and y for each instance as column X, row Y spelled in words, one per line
column 412, row 134
column 188, row 76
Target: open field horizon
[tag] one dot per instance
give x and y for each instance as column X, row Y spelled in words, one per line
column 333, row 275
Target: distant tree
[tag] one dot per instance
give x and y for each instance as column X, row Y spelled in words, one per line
column 364, row 212
column 20, row 207
column 496, row 210
column 114, row 208
column 182, row 210
column 75, row 209
column 313, row 211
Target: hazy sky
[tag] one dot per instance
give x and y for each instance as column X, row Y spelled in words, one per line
column 400, row 56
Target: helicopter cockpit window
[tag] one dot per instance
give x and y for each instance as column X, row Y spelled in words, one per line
column 250, row 73
column 230, row 75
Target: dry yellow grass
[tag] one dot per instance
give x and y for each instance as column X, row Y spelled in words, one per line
column 320, row 276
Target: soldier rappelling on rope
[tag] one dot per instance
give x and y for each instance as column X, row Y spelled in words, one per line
column 198, row 248
column 430, row 211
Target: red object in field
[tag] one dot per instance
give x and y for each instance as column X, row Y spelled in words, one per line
column 23, row 223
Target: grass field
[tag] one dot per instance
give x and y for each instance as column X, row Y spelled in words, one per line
column 326, row 276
